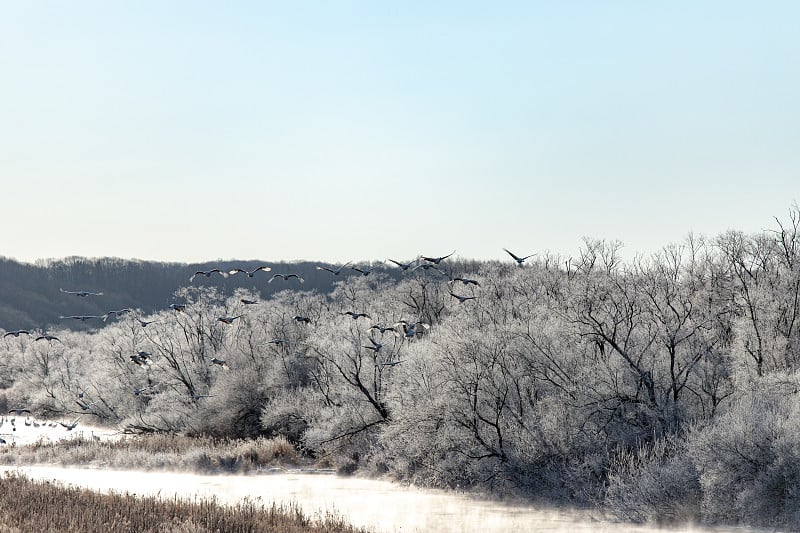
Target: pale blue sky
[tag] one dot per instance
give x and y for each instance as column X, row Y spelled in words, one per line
column 335, row 131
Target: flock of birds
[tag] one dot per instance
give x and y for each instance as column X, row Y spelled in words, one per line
column 401, row 329
column 19, row 411
column 40, row 428
column 250, row 274
column 43, row 337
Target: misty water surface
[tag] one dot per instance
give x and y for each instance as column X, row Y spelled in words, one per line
column 380, row 505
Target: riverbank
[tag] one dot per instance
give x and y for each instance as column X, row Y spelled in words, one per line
column 105, row 449
column 378, row 506
column 270, row 472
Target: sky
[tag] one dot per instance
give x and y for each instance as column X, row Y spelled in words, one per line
column 348, row 131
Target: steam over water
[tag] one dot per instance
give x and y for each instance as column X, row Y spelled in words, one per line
column 380, row 505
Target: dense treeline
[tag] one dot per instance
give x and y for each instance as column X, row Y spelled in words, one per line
column 30, row 296
column 661, row 388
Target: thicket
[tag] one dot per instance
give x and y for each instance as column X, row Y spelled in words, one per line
column 661, row 388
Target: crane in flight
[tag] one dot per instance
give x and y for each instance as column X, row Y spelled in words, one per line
column 82, row 318
column 72, row 425
column 332, row 271
column 460, row 298
column 17, row 333
column 286, row 277
column 47, row 337
column 250, row 273
column 355, row 316
column 465, row 281
column 404, row 266
column 221, row 362
column 517, row 258
column 82, row 294
column 228, row 319
column 207, row 273
column 437, row 260
column 363, row 271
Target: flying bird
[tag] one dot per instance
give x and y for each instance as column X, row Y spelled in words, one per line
column 460, row 298
column 85, row 406
column 17, row 333
column 207, row 273
column 364, row 271
column 384, row 329
column 303, row 319
column 245, row 301
column 117, row 313
column 196, row 396
column 465, row 281
column 429, row 266
column 277, row 342
column 139, row 360
column 72, row 425
column 82, row 294
column 220, row 362
column 437, row 260
column 410, row 329
column 82, row 318
column 180, row 308
column 145, row 323
column 334, row 272
column 228, row 319
column 518, row 259
column 47, row 338
column 250, row 273
column 404, row 266
column 356, row 316
column 19, row 410
column 376, row 346
column 285, row 277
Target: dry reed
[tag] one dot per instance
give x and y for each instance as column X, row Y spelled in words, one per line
column 163, row 451
column 32, row 506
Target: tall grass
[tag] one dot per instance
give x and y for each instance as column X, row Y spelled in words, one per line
column 161, row 451
column 29, row 506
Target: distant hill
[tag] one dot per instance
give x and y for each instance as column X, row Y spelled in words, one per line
column 30, row 295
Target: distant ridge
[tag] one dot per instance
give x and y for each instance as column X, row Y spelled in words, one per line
column 30, row 295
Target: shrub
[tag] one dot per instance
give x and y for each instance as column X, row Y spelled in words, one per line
column 749, row 460
column 655, row 483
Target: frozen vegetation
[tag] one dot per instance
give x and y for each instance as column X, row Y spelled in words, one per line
column 658, row 389
column 31, row 506
column 377, row 506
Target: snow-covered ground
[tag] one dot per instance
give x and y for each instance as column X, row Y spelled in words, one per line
column 20, row 430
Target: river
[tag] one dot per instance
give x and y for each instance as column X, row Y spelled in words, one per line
column 380, row 505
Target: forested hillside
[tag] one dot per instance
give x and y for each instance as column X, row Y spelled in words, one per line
column 30, row 295
column 663, row 387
